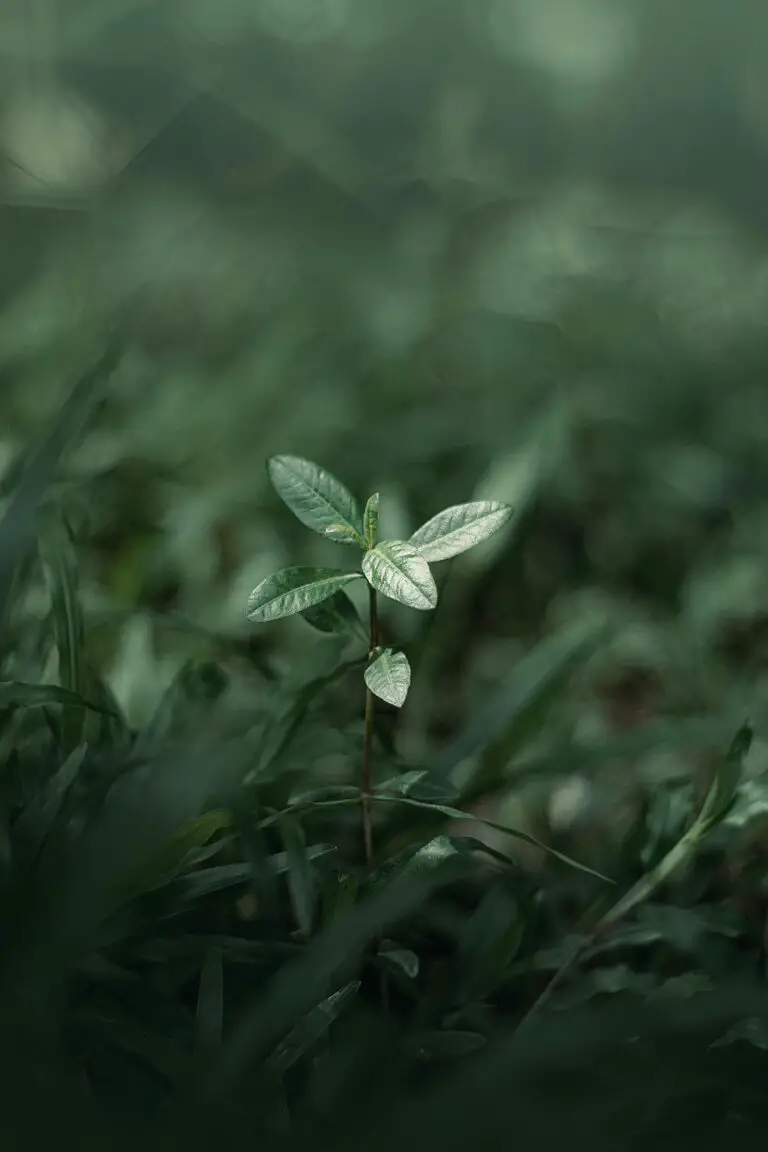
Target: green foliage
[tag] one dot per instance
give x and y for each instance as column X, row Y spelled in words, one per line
column 294, row 590
column 388, row 675
column 458, row 529
column 195, row 930
column 317, row 499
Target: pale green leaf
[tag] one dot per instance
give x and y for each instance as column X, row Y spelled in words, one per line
column 317, row 498
column 293, row 590
column 398, row 571
column 459, row 528
column 388, row 675
column 371, row 520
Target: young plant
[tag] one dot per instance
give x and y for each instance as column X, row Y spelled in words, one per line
column 398, row 569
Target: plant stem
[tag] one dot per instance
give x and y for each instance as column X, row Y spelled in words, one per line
column 366, row 783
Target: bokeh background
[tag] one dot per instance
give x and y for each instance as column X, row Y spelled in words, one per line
column 446, row 248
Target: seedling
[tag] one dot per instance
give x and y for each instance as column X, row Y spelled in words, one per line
column 398, row 569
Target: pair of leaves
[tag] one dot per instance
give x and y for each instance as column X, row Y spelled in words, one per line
column 392, row 568
column 398, row 569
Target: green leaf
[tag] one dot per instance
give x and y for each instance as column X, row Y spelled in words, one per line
column 398, row 571
column 371, row 520
column 317, row 498
column 14, row 694
column 312, row 1028
column 751, row 1031
column 388, row 675
column 489, row 944
column 57, row 552
column 300, row 879
column 722, row 791
column 341, row 534
column 401, row 961
column 293, row 590
column 456, row 814
column 35, row 822
column 459, row 528
column 18, row 526
column 339, row 895
column 337, row 615
column 168, row 862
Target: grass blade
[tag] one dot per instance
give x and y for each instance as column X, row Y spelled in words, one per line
column 18, row 527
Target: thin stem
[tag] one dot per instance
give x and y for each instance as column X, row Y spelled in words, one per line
column 366, row 784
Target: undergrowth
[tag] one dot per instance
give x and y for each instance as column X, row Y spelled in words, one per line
column 199, row 942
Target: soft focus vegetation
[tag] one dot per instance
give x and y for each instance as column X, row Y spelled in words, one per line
column 510, row 250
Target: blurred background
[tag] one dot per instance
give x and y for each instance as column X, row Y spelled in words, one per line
column 446, row 248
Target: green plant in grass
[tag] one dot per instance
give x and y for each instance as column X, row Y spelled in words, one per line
column 398, row 569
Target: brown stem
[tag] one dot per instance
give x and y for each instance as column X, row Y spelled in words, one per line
column 367, row 775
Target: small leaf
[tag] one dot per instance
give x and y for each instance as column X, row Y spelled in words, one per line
column 316, row 498
column 751, row 1031
column 337, row 615
column 341, row 534
column 398, row 571
column 293, row 590
column 388, row 675
column 371, row 520
column 459, row 528
column 339, row 895
column 401, row 961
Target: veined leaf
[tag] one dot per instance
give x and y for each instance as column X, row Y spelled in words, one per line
column 337, row 615
column 388, row 675
column 398, row 571
column 371, row 520
column 459, row 528
column 293, row 590
column 317, row 498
